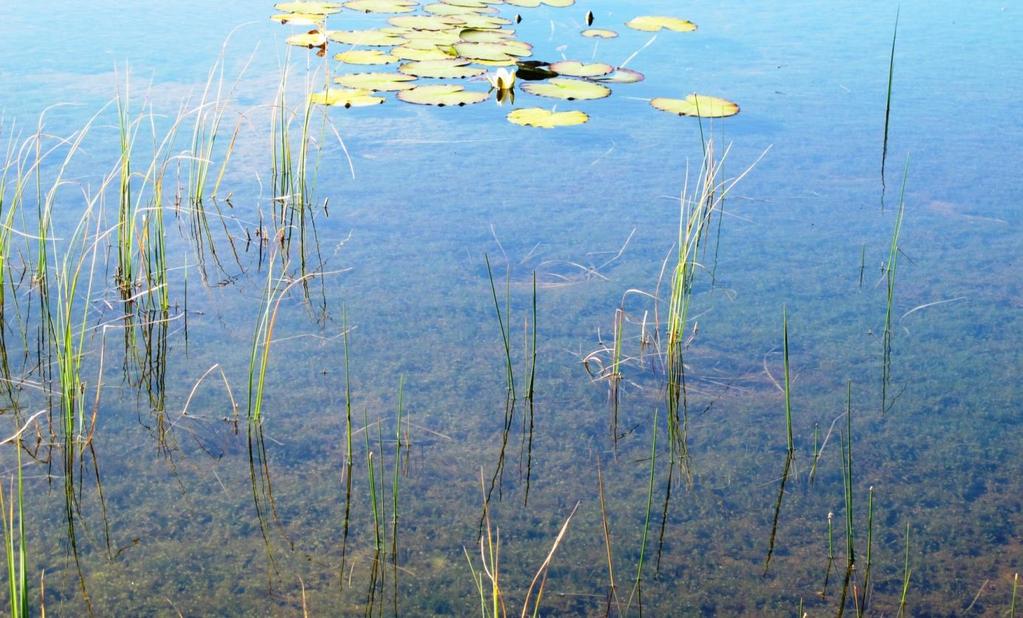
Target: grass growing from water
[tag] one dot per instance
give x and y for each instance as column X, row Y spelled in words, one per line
column 888, row 104
column 890, row 269
column 15, row 543
column 790, row 450
column 907, row 573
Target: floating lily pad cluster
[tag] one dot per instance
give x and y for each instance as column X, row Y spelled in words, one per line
column 468, row 45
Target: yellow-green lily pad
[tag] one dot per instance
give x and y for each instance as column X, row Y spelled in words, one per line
column 424, row 22
column 653, row 23
column 485, row 35
column 599, row 33
column 443, row 95
column 299, row 19
column 313, row 38
column 559, row 4
column 623, row 76
column 382, row 6
column 580, row 69
column 568, row 89
column 365, row 56
column 309, row 8
column 376, row 81
column 442, row 8
column 697, row 105
column 345, row 97
column 409, row 52
column 449, row 68
column 482, row 22
column 545, row 118
column 526, row 4
column 369, row 38
column 434, row 37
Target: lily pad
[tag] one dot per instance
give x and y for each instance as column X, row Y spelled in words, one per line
column 299, row 19
column 503, row 51
column 409, row 52
column 545, row 118
column 623, row 76
column 434, row 37
column 382, row 6
column 580, row 69
column 483, row 22
column 369, row 38
column 376, row 81
column 443, row 95
column 527, row 4
column 309, row 8
column 599, row 33
column 345, row 97
column 313, row 38
column 653, row 23
column 365, row 56
column 568, row 89
column 424, row 22
column 442, row 8
column 450, row 68
column 697, row 105
column 485, row 35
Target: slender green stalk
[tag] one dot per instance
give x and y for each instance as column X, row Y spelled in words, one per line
column 907, row 572
column 788, row 389
column 397, row 469
column 637, row 587
column 1012, row 604
column 374, row 503
column 870, row 546
column 831, row 554
column 890, row 268
column 15, row 543
column 888, row 102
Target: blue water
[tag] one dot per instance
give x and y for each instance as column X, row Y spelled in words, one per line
column 433, row 191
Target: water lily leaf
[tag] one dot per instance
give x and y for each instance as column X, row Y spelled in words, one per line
column 623, row 76
column 478, row 4
column 299, row 19
column 697, row 105
column 376, row 81
column 599, row 33
column 309, row 8
column 503, row 51
column 534, row 71
column 443, row 95
column 441, row 8
column 382, row 6
column 528, row 4
column 345, row 97
column 652, row 23
column 558, row 4
column 408, row 52
column 369, row 38
column 482, row 22
column 496, row 63
column 545, row 118
column 490, row 35
column 424, row 22
column 580, row 69
column 451, row 68
column 433, row 37
column 568, row 89
column 313, row 38
column 365, row 56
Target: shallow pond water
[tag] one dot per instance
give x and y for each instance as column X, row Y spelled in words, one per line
column 181, row 503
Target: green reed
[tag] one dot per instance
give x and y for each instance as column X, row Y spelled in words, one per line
column 888, row 102
column 847, row 483
column 907, row 573
column 790, row 450
column 347, row 472
column 397, row 470
column 1012, row 603
column 125, row 207
column 15, row 542
column 890, row 268
column 831, row 554
column 865, row 595
column 637, row 587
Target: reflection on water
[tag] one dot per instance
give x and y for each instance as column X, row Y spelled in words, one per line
column 267, row 356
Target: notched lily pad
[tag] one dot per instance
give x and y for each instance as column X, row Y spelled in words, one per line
column 409, row 52
column 425, row 22
column 365, row 56
column 376, row 81
column 567, row 89
column 575, row 68
column 653, row 23
column 443, row 95
column 599, row 33
column 309, row 8
column 697, row 105
column 313, row 38
column 382, row 6
column 369, row 38
column 299, row 19
column 345, row 97
column 449, row 68
column 545, row 118
column 623, row 76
